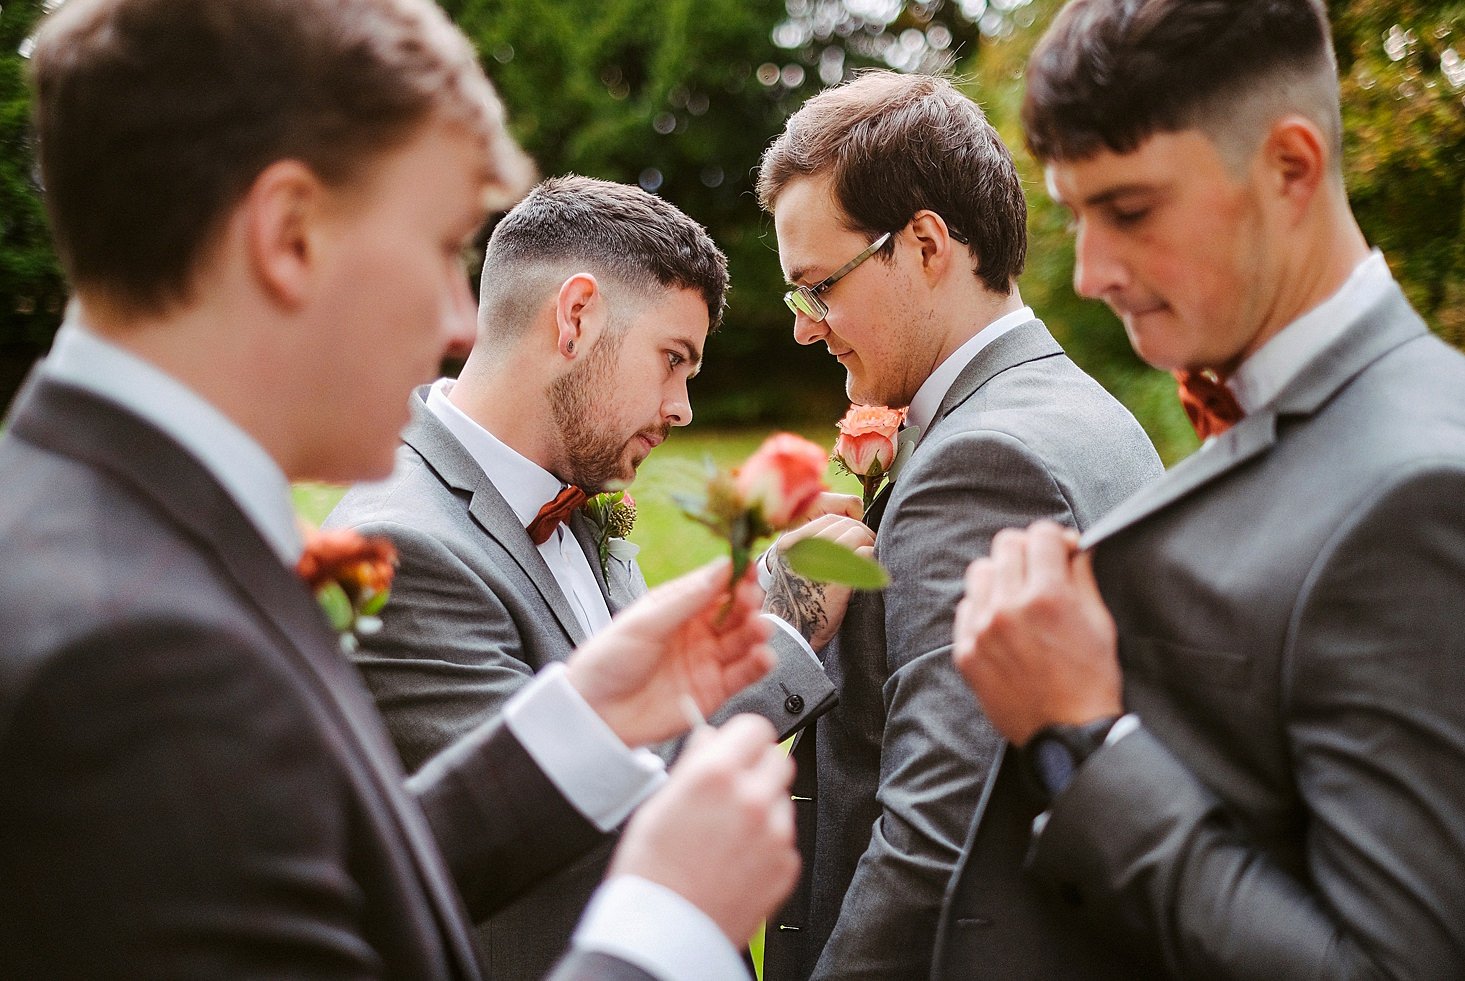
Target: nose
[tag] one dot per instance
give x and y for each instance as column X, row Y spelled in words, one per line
column 808, row 330
column 1097, row 271
column 676, row 408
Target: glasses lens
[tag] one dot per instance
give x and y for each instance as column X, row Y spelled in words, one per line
column 802, row 300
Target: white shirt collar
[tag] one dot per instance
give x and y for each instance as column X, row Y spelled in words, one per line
column 1261, row 377
column 248, row 474
column 934, row 388
column 524, row 484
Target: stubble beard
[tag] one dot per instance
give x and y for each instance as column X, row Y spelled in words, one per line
column 593, row 457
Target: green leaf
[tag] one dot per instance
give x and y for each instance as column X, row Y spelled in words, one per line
column 824, row 561
column 372, row 602
column 333, row 600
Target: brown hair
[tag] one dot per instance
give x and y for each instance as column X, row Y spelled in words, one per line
column 155, row 116
column 618, row 230
column 1110, row 73
column 896, row 144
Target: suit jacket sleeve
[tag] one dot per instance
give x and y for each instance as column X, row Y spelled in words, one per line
column 1376, row 727
column 795, row 692
column 937, row 746
column 449, row 655
column 183, row 816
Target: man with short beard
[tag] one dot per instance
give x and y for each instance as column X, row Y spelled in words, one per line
column 597, row 299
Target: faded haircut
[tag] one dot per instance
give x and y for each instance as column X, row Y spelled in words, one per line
column 1108, row 74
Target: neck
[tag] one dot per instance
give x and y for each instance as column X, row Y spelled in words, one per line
column 507, row 398
column 971, row 314
column 1306, row 271
column 224, row 362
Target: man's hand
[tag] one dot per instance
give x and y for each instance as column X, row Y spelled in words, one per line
column 829, row 502
column 815, row 609
column 1033, row 636
column 686, row 637
column 720, row 833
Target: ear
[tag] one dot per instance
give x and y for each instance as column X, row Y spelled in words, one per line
column 282, row 212
column 934, row 242
column 1295, row 154
column 579, row 315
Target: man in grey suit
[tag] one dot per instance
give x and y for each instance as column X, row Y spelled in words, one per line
column 260, row 205
column 1237, row 697
column 905, row 175
column 596, row 303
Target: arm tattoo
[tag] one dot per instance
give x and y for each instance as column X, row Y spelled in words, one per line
column 795, row 600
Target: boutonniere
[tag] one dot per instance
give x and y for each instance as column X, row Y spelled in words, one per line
column 775, row 489
column 613, row 514
column 351, row 576
column 868, row 445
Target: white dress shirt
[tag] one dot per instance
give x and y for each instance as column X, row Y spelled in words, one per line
column 527, row 487
column 928, row 397
column 644, row 923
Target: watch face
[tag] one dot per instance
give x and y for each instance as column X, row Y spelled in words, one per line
column 1054, row 764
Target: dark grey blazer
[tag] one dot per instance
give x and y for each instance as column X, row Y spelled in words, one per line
column 474, row 613
column 193, row 781
column 1291, row 612
column 894, row 772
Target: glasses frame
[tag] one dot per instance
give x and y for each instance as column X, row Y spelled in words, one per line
column 805, row 299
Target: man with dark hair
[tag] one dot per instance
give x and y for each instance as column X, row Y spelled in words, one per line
column 1236, row 699
column 260, row 205
column 905, row 175
column 594, row 310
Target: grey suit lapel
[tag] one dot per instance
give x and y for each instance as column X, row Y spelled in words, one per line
column 1025, row 342
column 1386, row 325
column 454, row 465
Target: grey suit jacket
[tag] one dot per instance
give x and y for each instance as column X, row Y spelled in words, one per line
column 193, row 782
column 474, row 613
column 894, row 772
column 1292, row 635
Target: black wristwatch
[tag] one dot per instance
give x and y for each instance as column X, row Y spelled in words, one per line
column 1054, row 753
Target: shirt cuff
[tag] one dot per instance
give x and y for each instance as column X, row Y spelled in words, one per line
column 657, row 930
column 582, row 756
column 765, row 571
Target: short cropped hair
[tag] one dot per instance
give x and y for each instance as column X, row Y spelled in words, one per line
column 154, row 117
column 618, row 231
column 896, row 144
column 1109, row 74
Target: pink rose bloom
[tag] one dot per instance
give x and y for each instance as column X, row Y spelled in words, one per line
column 783, row 479
column 866, row 444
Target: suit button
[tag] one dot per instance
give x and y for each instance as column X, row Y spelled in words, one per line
column 794, row 703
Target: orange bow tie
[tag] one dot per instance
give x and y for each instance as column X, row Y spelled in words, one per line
column 1211, row 406
column 554, row 513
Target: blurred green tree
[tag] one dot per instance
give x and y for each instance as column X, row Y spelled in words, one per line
column 32, row 292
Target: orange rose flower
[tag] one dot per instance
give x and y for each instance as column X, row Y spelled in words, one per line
column 866, row 444
column 782, row 479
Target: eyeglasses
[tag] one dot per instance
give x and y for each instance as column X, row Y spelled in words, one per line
column 805, row 299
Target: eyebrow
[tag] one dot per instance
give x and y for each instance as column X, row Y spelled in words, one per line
column 1123, row 190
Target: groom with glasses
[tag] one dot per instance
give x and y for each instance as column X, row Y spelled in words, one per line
column 926, row 315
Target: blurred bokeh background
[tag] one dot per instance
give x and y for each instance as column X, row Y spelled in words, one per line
column 681, row 96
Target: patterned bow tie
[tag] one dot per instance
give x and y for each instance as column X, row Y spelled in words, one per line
column 1211, row 406
column 554, row 513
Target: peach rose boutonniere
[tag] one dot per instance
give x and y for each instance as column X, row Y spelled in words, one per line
column 867, row 446
column 775, row 489
column 351, row 576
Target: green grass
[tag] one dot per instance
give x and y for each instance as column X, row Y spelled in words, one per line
column 670, row 543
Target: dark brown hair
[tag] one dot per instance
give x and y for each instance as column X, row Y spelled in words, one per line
column 897, row 144
column 155, row 116
column 617, row 230
column 1110, row 73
